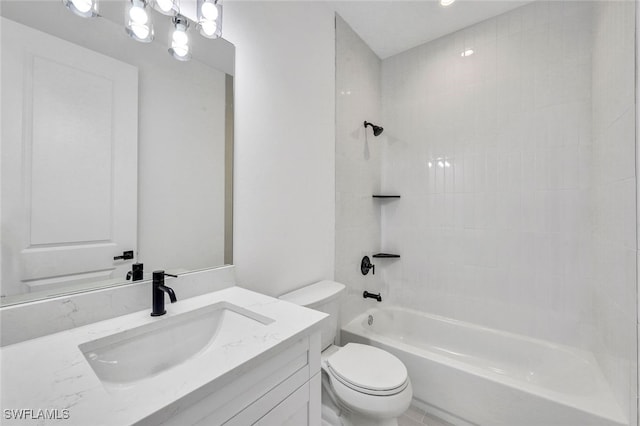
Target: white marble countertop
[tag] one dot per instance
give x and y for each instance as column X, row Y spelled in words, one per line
column 51, row 372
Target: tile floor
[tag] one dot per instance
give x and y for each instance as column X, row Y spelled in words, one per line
column 416, row 417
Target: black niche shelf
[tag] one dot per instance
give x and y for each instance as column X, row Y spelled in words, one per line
column 385, row 196
column 386, row 256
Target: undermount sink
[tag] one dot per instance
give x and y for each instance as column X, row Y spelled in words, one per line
column 141, row 352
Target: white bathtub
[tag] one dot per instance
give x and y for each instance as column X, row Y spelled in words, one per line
column 489, row 377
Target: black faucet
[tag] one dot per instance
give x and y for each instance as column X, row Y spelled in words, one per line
column 158, row 289
column 378, row 296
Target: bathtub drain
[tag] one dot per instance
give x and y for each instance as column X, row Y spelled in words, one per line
column 370, row 320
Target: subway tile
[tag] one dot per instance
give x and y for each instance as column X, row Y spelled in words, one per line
column 540, row 169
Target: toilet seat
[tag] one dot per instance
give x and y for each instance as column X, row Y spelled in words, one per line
column 366, row 381
column 370, row 406
column 367, row 369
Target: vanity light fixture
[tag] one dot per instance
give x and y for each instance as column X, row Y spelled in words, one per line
column 446, row 3
column 83, row 8
column 139, row 26
column 167, row 7
column 210, row 18
column 179, row 40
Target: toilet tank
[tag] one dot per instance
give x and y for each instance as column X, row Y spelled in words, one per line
column 323, row 296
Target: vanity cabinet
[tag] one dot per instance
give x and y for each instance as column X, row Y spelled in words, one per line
column 259, row 363
column 283, row 390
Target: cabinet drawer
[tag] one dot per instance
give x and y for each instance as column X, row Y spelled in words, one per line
column 293, row 411
column 268, row 403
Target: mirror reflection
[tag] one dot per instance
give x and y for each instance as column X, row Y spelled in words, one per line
column 114, row 154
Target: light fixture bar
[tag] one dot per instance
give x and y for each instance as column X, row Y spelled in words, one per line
column 139, row 26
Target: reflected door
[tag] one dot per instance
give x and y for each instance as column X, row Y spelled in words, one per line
column 69, row 162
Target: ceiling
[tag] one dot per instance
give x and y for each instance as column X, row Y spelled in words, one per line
column 393, row 26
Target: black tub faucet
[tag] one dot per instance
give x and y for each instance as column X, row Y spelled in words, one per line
column 378, row 296
column 158, row 289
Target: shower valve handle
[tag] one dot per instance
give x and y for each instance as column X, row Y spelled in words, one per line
column 366, row 265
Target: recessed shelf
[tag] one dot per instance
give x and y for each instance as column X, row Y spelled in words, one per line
column 386, row 256
column 385, row 196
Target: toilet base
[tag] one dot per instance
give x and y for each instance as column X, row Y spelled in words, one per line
column 334, row 415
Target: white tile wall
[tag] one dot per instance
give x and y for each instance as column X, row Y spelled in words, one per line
column 517, row 169
column 614, row 198
column 357, row 167
column 496, row 236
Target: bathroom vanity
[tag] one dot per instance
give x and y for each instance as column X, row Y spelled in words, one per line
column 78, row 344
column 232, row 357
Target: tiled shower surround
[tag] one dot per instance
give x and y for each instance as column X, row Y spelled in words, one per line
column 612, row 194
column 492, row 154
column 358, row 167
column 516, row 167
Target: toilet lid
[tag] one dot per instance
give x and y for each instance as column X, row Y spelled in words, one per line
column 368, row 367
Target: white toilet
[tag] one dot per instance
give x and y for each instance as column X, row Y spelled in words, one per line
column 361, row 385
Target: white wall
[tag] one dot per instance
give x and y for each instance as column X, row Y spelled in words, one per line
column 358, row 169
column 614, row 286
column 284, row 143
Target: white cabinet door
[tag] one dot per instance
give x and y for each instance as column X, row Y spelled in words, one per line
column 69, row 161
column 293, row 411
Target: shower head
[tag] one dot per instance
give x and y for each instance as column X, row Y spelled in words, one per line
column 377, row 130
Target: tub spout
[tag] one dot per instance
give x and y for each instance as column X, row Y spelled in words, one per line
column 366, row 294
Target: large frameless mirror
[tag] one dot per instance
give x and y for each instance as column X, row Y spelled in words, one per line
column 114, row 153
